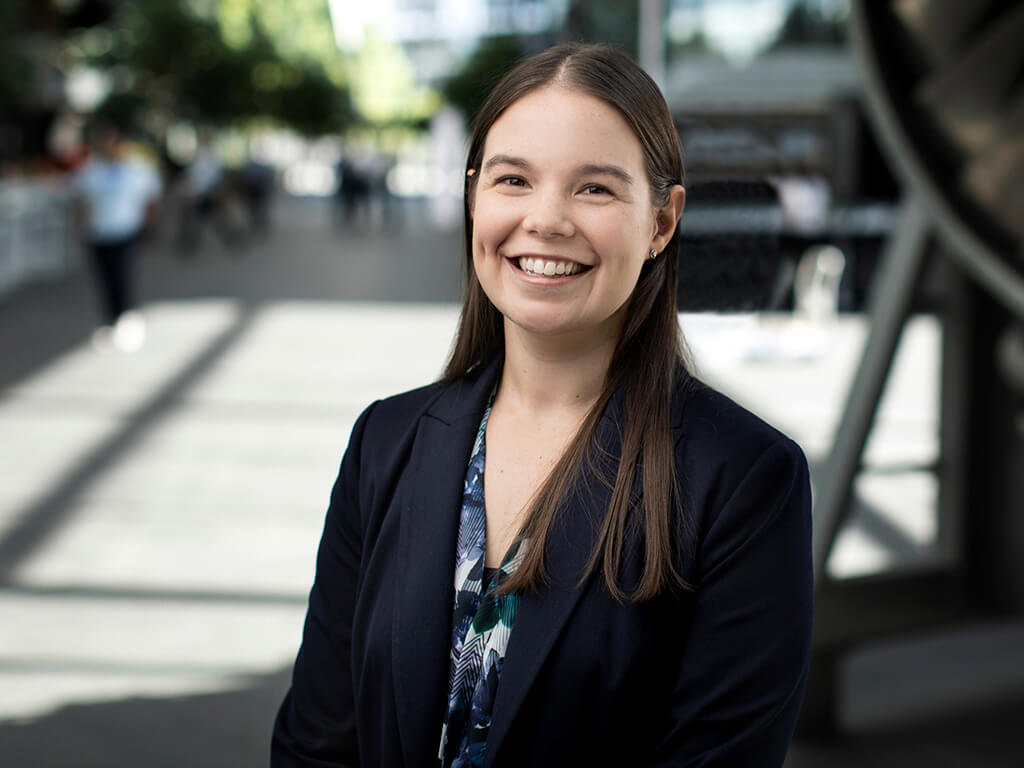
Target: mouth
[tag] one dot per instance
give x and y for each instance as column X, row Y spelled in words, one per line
column 538, row 266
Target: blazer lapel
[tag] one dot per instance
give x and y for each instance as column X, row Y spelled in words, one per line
column 544, row 613
column 430, row 505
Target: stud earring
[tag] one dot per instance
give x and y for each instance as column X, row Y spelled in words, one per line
column 654, row 254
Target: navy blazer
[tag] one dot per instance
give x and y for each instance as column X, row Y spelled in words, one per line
column 709, row 677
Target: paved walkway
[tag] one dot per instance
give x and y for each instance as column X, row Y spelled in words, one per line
column 159, row 511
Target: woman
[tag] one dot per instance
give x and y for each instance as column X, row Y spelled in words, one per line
column 568, row 551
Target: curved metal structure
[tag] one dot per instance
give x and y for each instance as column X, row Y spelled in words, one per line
column 943, row 84
column 943, row 81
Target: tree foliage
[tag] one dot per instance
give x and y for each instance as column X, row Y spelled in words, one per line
column 384, row 86
column 220, row 63
column 16, row 68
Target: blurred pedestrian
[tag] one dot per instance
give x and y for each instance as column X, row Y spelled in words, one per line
column 206, row 193
column 353, row 190
column 256, row 183
column 117, row 196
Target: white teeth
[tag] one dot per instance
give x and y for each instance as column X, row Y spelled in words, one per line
column 548, row 268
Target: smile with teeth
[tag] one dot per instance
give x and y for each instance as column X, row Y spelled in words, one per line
column 548, row 267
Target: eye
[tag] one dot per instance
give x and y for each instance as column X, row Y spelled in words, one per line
column 595, row 189
column 510, row 181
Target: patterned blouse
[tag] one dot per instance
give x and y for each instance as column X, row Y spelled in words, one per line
column 482, row 623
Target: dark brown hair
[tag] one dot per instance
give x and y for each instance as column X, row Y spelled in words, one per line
column 649, row 360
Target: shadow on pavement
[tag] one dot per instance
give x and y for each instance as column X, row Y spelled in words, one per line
column 39, row 323
column 232, row 728
column 216, row 730
column 35, row 524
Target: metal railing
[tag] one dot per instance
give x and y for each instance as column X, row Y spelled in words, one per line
column 36, row 237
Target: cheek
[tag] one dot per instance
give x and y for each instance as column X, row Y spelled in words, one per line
column 490, row 230
column 478, row 257
column 631, row 241
column 625, row 236
column 483, row 250
column 493, row 222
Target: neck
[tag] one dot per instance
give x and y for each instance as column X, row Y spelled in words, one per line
column 554, row 374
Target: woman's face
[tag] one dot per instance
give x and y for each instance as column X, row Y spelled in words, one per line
column 562, row 215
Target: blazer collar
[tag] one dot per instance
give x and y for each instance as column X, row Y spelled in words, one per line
column 429, row 526
column 430, row 504
column 544, row 613
column 467, row 396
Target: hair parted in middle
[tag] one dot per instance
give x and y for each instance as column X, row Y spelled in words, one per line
column 649, row 362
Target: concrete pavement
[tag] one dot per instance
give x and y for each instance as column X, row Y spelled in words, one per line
column 159, row 511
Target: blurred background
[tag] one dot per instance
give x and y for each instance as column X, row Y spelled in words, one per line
column 851, row 271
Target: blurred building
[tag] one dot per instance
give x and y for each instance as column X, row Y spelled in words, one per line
column 438, row 34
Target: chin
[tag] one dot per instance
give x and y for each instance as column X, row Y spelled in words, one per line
column 539, row 323
column 548, row 324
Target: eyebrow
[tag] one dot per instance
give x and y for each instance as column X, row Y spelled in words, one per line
column 609, row 170
column 589, row 169
column 506, row 160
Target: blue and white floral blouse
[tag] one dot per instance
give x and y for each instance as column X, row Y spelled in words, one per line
column 482, row 623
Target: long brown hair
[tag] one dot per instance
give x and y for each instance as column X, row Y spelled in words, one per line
column 649, row 361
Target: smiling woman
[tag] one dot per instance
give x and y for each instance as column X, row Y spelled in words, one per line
column 569, row 551
column 563, row 184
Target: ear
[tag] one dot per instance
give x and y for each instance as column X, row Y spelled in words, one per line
column 470, row 191
column 667, row 218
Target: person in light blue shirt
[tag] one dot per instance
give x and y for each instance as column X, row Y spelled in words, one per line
column 119, row 194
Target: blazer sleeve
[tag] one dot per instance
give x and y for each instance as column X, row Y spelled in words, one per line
column 743, row 664
column 315, row 725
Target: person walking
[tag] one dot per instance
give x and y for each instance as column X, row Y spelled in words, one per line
column 118, row 195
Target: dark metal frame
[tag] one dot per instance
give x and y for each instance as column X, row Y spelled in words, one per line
column 851, row 612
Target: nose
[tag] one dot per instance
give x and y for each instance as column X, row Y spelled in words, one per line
column 548, row 216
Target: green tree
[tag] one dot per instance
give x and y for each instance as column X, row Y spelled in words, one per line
column 28, row 56
column 15, row 67
column 30, row 79
column 219, row 63
column 384, row 88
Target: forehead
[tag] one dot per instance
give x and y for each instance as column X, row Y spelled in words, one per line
column 555, row 126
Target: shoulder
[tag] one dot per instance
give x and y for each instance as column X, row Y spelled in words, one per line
column 445, row 401
column 143, row 171
column 395, row 414
column 712, row 429
column 385, row 437
column 380, row 440
column 394, row 420
column 739, row 473
column 386, row 431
